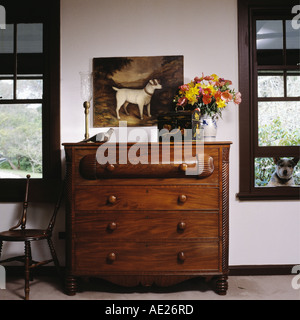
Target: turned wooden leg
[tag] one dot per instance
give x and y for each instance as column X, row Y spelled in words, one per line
column 54, row 256
column 27, row 273
column 30, row 262
column 222, row 285
column 70, row 285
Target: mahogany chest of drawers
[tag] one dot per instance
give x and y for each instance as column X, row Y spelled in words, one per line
column 141, row 219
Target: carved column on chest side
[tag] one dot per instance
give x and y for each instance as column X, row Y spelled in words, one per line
column 222, row 284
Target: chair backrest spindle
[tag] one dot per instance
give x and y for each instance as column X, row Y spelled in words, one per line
column 22, row 221
column 56, row 208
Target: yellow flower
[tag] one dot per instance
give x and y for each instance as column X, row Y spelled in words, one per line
column 194, row 91
column 216, row 78
column 212, row 88
column 191, row 97
column 191, row 84
column 221, row 103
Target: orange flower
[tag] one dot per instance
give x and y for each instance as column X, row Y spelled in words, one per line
column 218, row 95
column 209, row 78
column 206, row 91
column 226, row 96
column 184, row 87
column 197, row 79
column 206, row 99
column 182, row 101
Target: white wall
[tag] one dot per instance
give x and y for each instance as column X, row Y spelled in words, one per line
column 205, row 33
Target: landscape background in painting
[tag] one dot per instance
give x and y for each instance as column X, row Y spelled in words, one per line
column 134, row 73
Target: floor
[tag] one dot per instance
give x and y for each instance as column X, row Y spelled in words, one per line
column 240, row 288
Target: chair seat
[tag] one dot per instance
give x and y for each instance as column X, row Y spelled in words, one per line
column 24, row 235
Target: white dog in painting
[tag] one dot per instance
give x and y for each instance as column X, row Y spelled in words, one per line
column 141, row 97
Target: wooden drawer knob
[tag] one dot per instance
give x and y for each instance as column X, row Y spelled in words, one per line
column 181, row 256
column 112, row 199
column 183, row 167
column 112, row 226
column 110, row 167
column 181, row 226
column 182, row 198
column 111, row 257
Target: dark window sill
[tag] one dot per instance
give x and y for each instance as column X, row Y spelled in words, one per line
column 274, row 193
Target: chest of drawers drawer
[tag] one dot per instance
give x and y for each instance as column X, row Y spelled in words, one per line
column 114, row 198
column 181, row 163
column 137, row 226
column 110, row 257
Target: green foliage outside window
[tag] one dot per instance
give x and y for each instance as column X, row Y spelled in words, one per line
column 21, row 139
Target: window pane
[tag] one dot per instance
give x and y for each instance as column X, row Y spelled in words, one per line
column 278, row 123
column 30, row 38
column 20, row 140
column 292, row 44
column 270, row 85
column 287, row 171
column 29, row 89
column 269, row 42
column 30, row 48
column 7, row 39
column 6, row 89
column 293, row 83
column 6, row 50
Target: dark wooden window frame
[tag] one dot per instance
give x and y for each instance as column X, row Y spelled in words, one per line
column 48, row 13
column 248, row 11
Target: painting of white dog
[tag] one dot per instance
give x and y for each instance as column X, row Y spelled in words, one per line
column 134, row 89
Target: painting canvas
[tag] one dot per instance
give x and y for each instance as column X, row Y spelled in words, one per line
column 134, row 89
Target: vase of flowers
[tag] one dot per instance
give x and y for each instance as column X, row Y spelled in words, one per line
column 209, row 125
column 209, row 94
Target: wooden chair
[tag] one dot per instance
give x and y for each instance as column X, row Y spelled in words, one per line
column 29, row 235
